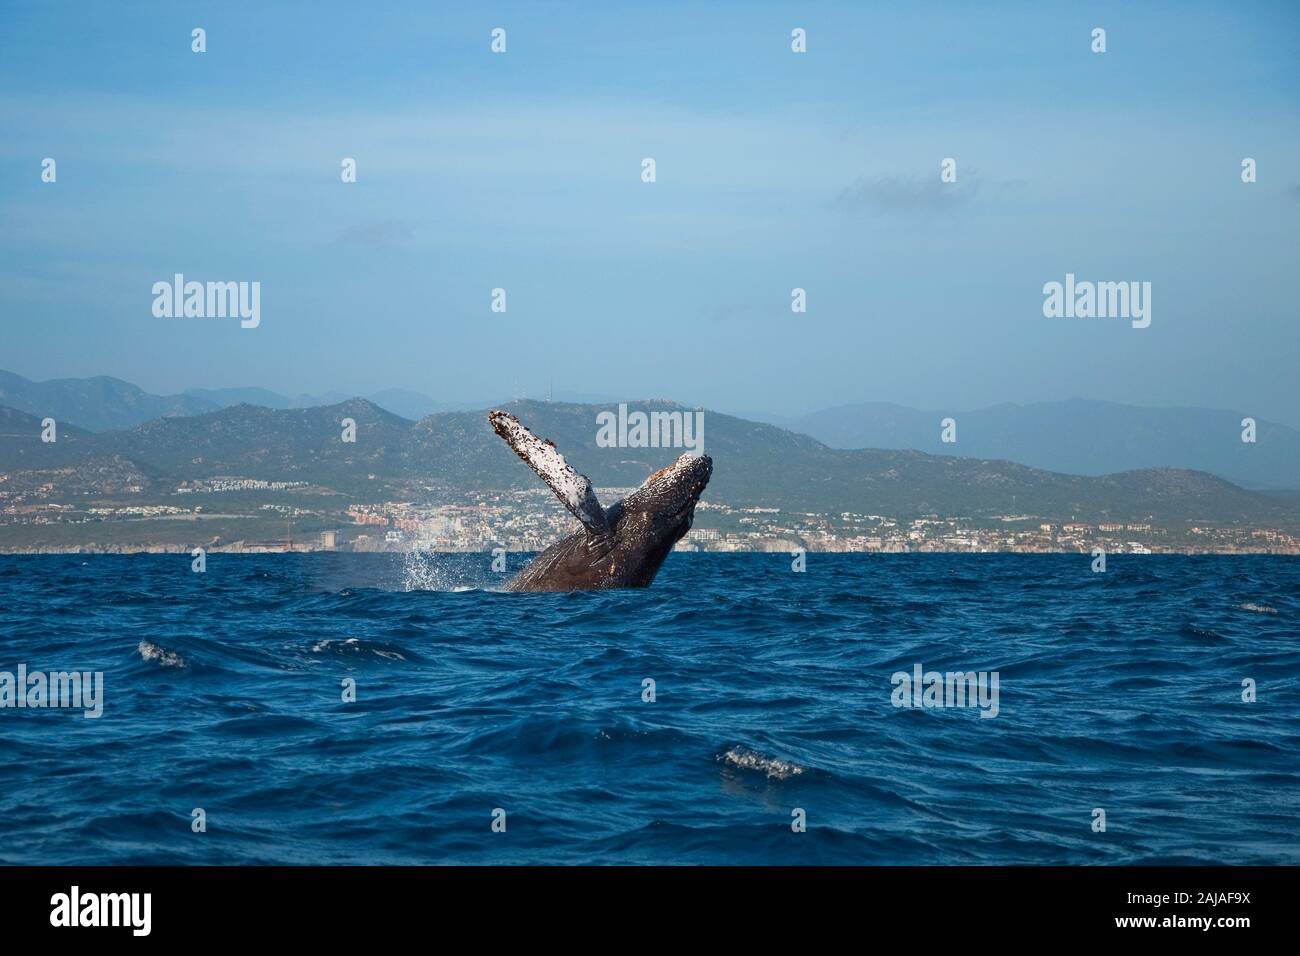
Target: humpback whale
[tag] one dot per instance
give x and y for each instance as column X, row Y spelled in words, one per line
column 620, row 546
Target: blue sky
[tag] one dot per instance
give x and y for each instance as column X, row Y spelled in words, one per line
column 775, row 170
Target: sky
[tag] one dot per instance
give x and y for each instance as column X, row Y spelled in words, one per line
column 775, row 170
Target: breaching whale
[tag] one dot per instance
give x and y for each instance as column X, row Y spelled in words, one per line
column 618, row 547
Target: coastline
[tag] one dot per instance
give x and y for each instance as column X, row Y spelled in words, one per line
column 788, row 548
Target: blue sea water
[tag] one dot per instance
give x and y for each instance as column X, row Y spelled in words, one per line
column 223, row 691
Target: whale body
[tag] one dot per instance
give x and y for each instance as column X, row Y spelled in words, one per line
column 617, row 547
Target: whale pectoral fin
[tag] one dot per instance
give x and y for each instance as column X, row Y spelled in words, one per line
column 573, row 489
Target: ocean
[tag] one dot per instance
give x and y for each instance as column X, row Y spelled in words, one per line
column 521, row 728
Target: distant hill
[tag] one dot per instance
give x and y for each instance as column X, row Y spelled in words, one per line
column 408, row 404
column 299, row 444
column 1078, row 436
column 399, row 401
column 97, row 404
column 78, row 461
column 110, row 404
column 755, row 464
column 21, row 446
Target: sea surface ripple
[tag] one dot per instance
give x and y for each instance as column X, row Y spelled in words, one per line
column 772, row 691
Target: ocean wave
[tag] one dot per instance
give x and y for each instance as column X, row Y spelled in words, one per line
column 150, row 651
column 766, row 689
column 1257, row 608
column 357, row 647
column 773, row 767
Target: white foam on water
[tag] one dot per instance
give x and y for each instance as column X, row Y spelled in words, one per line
column 750, row 760
column 1257, row 608
column 152, row 652
column 325, row 644
column 352, row 644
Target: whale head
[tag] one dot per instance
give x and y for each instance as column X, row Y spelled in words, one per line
column 647, row 523
column 669, row 496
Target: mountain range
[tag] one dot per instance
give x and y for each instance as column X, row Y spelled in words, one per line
column 1077, row 436
column 97, row 404
column 103, row 403
column 756, row 464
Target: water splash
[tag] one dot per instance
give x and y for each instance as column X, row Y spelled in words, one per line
column 432, row 571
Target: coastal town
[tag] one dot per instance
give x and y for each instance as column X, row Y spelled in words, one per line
column 528, row 521
column 247, row 515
